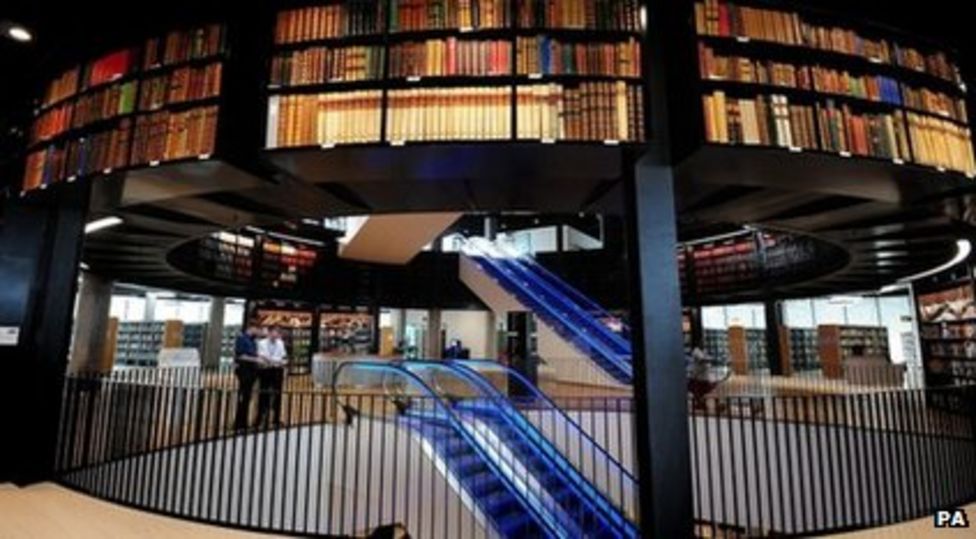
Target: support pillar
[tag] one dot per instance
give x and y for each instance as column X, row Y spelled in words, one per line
column 658, row 346
column 777, row 340
column 91, row 352
column 40, row 250
column 149, row 308
column 213, row 341
column 491, row 336
column 435, row 344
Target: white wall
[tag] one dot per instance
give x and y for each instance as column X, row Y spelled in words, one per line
column 469, row 326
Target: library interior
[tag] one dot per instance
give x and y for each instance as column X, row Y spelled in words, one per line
column 487, row 268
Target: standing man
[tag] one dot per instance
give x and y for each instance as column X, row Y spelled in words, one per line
column 271, row 351
column 247, row 366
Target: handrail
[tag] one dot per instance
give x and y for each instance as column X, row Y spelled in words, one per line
column 555, row 279
column 455, row 422
column 590, row 341
column 487, row 250
column 545, row 398
column 592, row 493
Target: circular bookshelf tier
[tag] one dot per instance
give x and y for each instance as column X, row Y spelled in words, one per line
column 888, row 221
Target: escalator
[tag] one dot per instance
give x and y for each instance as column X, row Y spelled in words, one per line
column 520, row 481
column 584, row 325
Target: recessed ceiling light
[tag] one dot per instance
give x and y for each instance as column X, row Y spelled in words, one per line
column 19, row 33
column 102, row 224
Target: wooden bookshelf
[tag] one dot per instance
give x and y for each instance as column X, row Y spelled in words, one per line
column 947, row 329
column 419, row 71
column 776, row 76
column 138, row 106
column 837, row 343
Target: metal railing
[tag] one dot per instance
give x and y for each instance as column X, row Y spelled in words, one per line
column 347, row 461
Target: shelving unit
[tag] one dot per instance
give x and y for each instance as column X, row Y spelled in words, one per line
column 790, row 78
column 140, row 106
column 297, row 326
column 446, row 70
column 716, row 343
column 804, row 349
column 947, row 318
column 838, row 343
column 227, row 341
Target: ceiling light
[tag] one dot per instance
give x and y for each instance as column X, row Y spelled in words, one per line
column 963, row 250
column 19, row 33
column 102, row 224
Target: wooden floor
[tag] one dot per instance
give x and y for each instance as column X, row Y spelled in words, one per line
column 50, row 511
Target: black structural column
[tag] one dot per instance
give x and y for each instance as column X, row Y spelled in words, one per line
column 40, row 247
column 778, row 364
column 662, row 430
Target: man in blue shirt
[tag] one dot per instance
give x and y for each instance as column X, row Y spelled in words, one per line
column 247, row 365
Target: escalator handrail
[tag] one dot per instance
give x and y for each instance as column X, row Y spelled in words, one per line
column 455, row 422
column 559, row 287
column 549, row 402
column 589, row 493
column 601, row 331
column 590, row 340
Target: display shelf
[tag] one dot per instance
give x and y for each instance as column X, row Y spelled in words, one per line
column 773, row 50
column 837, row 343
column 804, row 349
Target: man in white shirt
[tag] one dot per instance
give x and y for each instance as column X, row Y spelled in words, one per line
column 274, row 357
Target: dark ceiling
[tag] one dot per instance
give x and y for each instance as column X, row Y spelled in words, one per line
column 65, row 31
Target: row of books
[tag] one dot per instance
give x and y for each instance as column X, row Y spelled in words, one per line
column 418, row 15
column 727, row 19
column 108, row 68
column 324, row 119
column 109, row 102
column 51, row 123
column 766, row 120
column 942, row 144
column 352, row 18
column 592, row 111
column 318, row 65
column 451, row 57
column 936, row 103
column 546, row 55
column 880, row 135
column 100, row 71
column 476, row 113
column 166, row 136
column 99, row 152
column 61, row 88
column 184, row 45
column 181, row 85
column 748, row 70
column 589, row 14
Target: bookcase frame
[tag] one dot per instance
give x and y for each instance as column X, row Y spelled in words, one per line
column 800, row 55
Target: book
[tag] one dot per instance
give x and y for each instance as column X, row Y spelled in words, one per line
column 184, row 45
column 451, row 57
column 467, row 113
column 108, row 68
column 592, row 111
column 104, row 150
column 190, row 83
column 61, row 88
column 325, row 119
column 550, row 56
column 937, row 103
column 942, row 144
column 936, row 64
column 768, row 120
column 419, row 15
column 333, row 21
column 881, row 135
column 116, row 100
column 319, row 65
column 618, row 15
column 51, row 123
column 166, row 136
